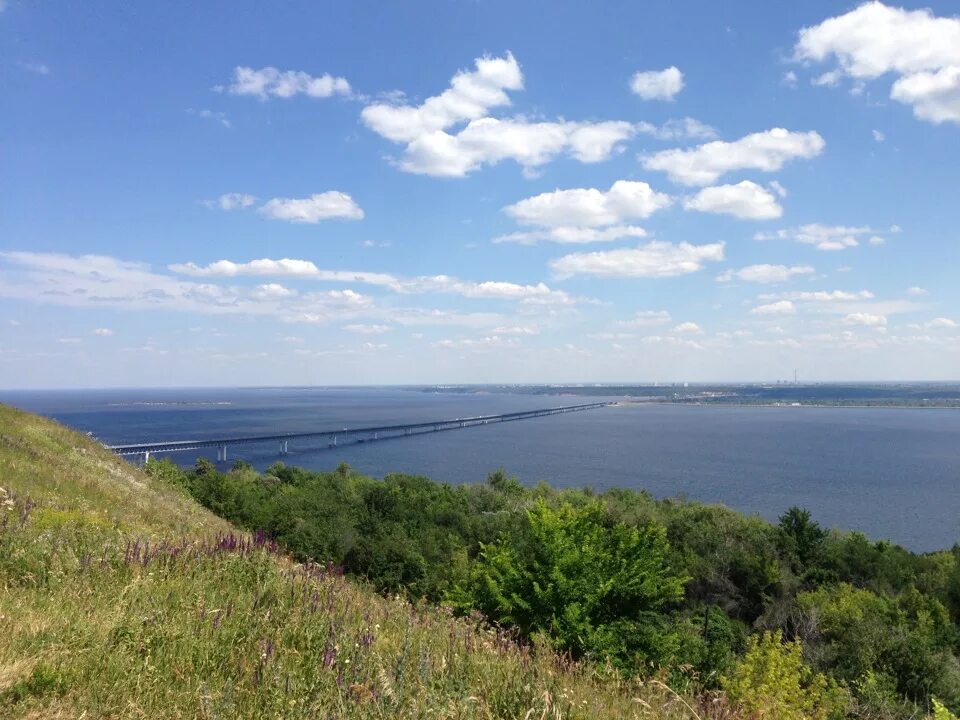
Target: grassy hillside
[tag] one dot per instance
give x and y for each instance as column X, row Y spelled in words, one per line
column 121, row 598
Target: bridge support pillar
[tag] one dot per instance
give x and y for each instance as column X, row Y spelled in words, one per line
column 283, row 447
column 222, row 453
column 146, row 457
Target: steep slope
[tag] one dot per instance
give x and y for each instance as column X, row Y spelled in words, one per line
column 120, row 598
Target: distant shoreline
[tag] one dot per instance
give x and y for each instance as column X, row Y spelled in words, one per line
column 786, row 406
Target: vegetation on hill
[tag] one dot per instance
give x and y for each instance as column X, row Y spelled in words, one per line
column 691, row 591
column 344, row 596
column 120, row 597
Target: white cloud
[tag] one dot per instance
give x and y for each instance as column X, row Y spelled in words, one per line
column 824, row 237
column 273, row 290
column 766, row 273
column 789, row 79
column 878, row 136
column 490, row 341
column 766, row 151
column 212, row 115
column 865, row 319
column 941, row 323
column 687, row 128
column 916, row 291
column 657, row 84
column 935, row 96
column 646, row 318
column 317, row 207
column 488, row 141
column 589, row 207
column 745, row 200
column 431, row 150
column 531, row 294
column 231, row 201
column 781, row 307
column 516, row 330
column 270, row 82
column 101, row 282
column 874, row 39
column 469, row 97
column 365, row 329
column 573, row 235
column 103, row 332
column 688, row 328
column 821, row 296
column 653, row 260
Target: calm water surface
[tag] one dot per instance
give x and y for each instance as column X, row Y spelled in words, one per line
column 892, row 473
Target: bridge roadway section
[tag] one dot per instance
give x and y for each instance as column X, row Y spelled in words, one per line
column 358, row 434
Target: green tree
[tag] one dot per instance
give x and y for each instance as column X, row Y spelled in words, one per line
column 772, row 682
column 594, row 587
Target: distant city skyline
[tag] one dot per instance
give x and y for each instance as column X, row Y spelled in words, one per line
column 439, row 193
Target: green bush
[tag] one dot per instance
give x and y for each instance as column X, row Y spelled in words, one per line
column 773, row 682
column 594, row 588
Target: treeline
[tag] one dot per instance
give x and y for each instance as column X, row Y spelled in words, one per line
column 788, row 619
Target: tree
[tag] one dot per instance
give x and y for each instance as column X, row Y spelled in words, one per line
column 802, row 535
column 594, row 587
column 772, row 682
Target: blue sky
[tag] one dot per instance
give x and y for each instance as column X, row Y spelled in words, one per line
column 296, row 193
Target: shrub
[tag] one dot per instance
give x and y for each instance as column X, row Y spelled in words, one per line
column 772, row 681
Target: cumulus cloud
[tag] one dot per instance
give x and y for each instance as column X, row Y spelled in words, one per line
column 516, row 330
column 916, row 291
column 488, row 342
column 585, row 215
column 688, row 328
column 589, row 207
column 489, row 140
column 321, row 206
column 103, row 332
column 270, row 82
column 653, row 260
column 366, row 329
column 865, row 319
column 646, row 318
column 781, row 307
column 765, row 273
column 745, row 200
column 431, row 150
column 941, row 323
column 657, row 84
column 825, row 237
column 572, row 235
column 822, row 296
column 874, row 39
column 766, row 151
column 470, row 96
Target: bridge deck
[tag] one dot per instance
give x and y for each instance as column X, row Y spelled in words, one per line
column 409, row 428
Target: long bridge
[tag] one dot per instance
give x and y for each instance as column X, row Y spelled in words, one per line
column 362, row 434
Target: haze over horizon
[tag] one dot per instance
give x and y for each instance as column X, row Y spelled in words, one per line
column 677, row 192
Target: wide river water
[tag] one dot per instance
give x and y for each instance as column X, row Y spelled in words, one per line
column 893, row 473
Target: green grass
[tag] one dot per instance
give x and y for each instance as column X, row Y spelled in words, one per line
column 120, row 598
